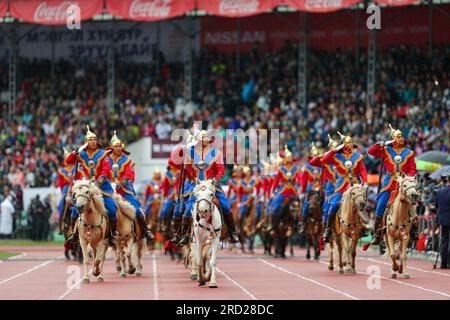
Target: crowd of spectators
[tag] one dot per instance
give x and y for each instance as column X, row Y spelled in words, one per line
column 55, row 102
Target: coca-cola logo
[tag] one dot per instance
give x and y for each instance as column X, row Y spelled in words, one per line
column 45, row 12
column 238, row 6
column 322, row 4
column 155, row 8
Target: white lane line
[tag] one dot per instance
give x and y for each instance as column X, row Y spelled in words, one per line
column 155, row 278
column 410, row 267
column 401, row 282
column 28, row 271
column 18, row 256
column 68, row 291
column 237, row 284
column 308, row 279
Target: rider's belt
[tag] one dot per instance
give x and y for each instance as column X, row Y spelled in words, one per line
column 392, row 173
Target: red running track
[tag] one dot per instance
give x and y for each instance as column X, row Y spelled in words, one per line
column 43, row 273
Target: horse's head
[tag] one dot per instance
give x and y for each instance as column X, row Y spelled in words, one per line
column 204, row 194
column 408, row 189
column 357, row 194
column 82, row 194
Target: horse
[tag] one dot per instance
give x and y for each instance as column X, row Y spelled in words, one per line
column 283, row 224
column 313, row 225
column 128, row 243
column 73, row 249
column 248, row 227
column 152, row 219
column 206, row 229
column 348, row 225
column 398, row 223
column 92, row 225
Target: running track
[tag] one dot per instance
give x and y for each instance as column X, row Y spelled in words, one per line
column 42, row 273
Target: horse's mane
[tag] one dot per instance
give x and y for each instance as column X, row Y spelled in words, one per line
column 125, row 207
column 347, row 193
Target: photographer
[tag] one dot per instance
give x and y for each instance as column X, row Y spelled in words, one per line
column 443, row 219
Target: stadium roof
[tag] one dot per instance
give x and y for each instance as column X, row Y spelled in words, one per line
column 57, row 12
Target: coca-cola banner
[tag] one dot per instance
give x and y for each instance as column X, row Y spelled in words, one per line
column 3, row 9
column 397, row 2
column 320, row 5
column 236, row 8
column 53, row 12
column 149, row 9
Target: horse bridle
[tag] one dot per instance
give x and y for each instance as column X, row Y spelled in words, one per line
column 89, row 198
column 390, row 224
column 348, row 225
column 210, row 203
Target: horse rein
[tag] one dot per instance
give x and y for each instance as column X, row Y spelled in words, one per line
column 210, row 203
column 348, row 225
column 401, row 226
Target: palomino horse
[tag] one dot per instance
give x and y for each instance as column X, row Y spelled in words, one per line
column 207, row 226
column 398, row 223
column 92, row 225
column 348, row 228
column 313, row 225
column 128, row 243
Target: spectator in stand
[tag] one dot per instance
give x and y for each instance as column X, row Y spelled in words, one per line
column 443, row 219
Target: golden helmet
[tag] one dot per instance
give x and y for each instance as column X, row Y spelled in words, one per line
column 89, row 134
column 115, row 141
column 66, row 152
column 345, row 139
column 287, row 152
column 203, row 136
column 314, row 151
column 246, row 169
column 332, row 143
column 395, row 133
column 156, row 173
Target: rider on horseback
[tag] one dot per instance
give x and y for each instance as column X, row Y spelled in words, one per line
column 168, row 186
column 350, row 168
column 65, row 179
column 288, row 177
column 153, row 188
column 96, row 166
column 246, row 190
column 205, row 162
column 121, row 173
column 310, row 180
column 397, row 158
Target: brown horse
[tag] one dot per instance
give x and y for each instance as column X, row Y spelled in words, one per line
column 248, row 227
column 398, row 223
column 313, row 225
column 152, row 220
column 283, row 224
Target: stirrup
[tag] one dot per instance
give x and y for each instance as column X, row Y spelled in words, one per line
column 184, row 241
column 233, row 237
column 149, row 235
column 72, row 238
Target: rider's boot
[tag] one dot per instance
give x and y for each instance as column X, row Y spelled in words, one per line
column 185, row 237
column 377, row 232
column 74, row 235
column 143, row 224
column 113, row 232
column 329, row 228
column 229, row 220
column 176, row 229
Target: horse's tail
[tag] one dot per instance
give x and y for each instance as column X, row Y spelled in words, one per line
column 126, row 208
column 204, row 269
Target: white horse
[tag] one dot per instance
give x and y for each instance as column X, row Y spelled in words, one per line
column 128, row 246
column 92, row 225
column 207, row 227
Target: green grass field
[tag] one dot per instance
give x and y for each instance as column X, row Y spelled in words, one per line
column 29, row 243
column 6, row 254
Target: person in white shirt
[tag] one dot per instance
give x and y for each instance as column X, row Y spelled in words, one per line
column 6, row 217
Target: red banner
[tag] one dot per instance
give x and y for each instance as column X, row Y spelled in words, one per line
column 236, row 8
column 149, row 10
column 397, row 2
column 53, row 12
column 3, row 9
column 320, row 5
column 399, row 25
column 161, row 148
